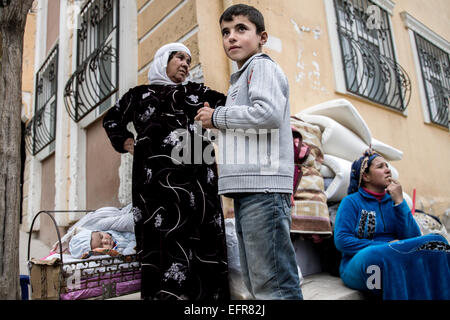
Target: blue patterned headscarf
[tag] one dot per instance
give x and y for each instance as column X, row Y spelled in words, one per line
column 358, row 168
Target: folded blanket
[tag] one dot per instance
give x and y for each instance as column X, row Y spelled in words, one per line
column 310, row 211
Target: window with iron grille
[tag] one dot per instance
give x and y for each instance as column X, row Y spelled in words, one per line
column 435, row 67
column 95, row 80
column 368, row 57
column 40, row 131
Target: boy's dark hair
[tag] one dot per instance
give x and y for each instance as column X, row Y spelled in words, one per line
column 250, row 12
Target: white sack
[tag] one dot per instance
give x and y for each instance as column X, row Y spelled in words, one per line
column 343, row 112
column 337, row 140
column 388, row 152
column 340, row 168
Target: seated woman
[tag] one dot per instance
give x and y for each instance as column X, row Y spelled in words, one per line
column 86, row 243
column 382, row 248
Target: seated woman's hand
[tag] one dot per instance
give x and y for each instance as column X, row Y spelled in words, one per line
column 395, row 190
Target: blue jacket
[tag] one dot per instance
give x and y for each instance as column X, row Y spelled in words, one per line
column 363, row 221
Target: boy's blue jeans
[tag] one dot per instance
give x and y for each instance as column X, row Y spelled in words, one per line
column 267, row 255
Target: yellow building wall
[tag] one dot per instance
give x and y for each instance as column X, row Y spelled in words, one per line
column 426, row 147
column 161, row 22
column 27, row 94
column 304, row 53
column 28, row 65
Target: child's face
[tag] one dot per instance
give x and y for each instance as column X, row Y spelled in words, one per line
column 101, row 239
column 240, row 40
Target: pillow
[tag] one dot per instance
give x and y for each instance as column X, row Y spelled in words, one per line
column 340, row 168
column 394, row 171
column 388, row 152
column 408, row 200
column 343, row 112
column 337, row 140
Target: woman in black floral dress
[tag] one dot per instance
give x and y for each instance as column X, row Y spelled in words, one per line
column 179, row 222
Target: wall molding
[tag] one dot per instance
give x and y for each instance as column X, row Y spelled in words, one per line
column 387, row 5
column 418, row 27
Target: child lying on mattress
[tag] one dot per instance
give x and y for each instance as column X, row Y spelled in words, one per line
column 87, row 242
column 106, row 231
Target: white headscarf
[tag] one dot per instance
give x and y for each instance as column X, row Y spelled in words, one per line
column 158, row 70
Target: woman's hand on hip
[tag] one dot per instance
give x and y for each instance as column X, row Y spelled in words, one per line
column 128, row 145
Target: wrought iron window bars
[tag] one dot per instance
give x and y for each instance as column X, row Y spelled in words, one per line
column 95, row 79
column 435, row 66
column 40, row 130
column 370, row 67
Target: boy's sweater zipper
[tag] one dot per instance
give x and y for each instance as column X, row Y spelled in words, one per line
column 382, row 217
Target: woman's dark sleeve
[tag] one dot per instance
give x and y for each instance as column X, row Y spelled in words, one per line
column 116, row 120
column 214, row 98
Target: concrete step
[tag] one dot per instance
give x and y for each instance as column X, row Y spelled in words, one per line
column 321, row 286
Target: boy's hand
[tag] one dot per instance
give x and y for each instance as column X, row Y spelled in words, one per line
column 204, row 115
column 395, row 190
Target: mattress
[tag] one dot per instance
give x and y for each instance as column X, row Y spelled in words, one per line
column 100, row 277
column 345, row 133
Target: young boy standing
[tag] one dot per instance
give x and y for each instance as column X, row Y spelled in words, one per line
column 257, row 110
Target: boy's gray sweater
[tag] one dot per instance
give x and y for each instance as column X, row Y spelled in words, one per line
column 255, row 147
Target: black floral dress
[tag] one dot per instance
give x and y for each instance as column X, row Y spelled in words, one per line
column 179, row 223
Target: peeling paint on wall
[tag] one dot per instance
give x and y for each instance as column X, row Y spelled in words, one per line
column 316, row 32
column 300, row 65
column 311, row 69
column 314, row 77
column 296, row 28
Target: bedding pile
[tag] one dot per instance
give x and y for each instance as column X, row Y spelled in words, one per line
column 310, row 212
